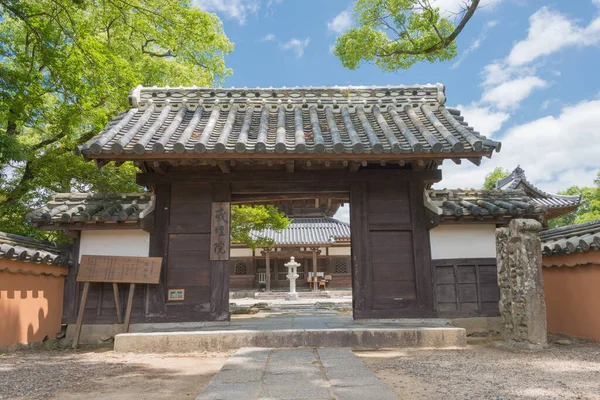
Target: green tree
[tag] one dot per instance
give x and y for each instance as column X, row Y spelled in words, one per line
column 245, row 219
column 589, row 209
column 395, row 34
column 66, row 67
column 492, row 178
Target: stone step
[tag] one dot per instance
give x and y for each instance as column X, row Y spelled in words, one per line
column 282, row 295
column 355, row 337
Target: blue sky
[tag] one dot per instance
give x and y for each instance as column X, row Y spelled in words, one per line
column 526, row 74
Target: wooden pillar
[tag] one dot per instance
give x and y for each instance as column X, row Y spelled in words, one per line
column 314, row 263
column 276, row 271
column 305, row 263
column 156, row 298
column 421, row 248
column 361, row 255
column 71, row 291
column 268, row 270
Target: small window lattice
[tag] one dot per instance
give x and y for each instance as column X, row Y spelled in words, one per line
column 241, row 268
column 341, row 266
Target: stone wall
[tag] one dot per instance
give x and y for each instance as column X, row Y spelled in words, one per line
column 522, row 304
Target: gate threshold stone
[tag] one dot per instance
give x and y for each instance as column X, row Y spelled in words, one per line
column 225, row 340
column 329, row 373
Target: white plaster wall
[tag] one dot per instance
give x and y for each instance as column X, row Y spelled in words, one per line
column 240, row 252
column 122, row 242
column 463, row 241
column 339, row 251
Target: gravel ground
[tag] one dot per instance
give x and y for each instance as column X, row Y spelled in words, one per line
column 482, row 371
column 490, row 371
column 104, row 374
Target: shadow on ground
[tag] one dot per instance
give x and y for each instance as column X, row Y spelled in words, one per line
column 103, row 374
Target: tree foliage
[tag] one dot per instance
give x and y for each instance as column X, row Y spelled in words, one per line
column 395, row 34
column 492, row 178
column 245, row 219
column 66, row 68
column 589, row 209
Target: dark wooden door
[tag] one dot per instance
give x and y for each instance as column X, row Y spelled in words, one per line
column 390, row 251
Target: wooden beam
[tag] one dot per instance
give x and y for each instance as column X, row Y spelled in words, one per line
column 259, row 198
column 314, row 264
column 267, row 270
column 300, row 176
column 354, row 166
column 457, row 161
column 281, row 156
column 224, row 166
column 129, row 306
column 157, row 166
column 476, row 161
column 100, row 163
column 289, row 166
column 86, row 290
column 117, row 302
column 91, row 226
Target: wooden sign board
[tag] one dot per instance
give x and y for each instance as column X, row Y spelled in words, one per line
column 119, row 269
column 219, row 227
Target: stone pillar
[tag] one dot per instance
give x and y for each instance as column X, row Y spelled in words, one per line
column 522, row 304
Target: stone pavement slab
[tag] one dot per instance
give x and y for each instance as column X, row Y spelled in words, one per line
column 291, row 374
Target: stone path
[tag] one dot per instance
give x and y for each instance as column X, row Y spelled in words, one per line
column 325, row 373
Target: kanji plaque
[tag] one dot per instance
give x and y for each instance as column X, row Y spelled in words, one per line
column 119, row 269
column 219, row 235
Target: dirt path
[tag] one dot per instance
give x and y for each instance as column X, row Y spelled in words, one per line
column 103, row 374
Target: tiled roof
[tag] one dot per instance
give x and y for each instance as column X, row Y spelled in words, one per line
column 325, row 120
column 572, row 238
column 453, row 204
column 21, row 248
column 561, row 204
column 308, row 231
column 70, row 208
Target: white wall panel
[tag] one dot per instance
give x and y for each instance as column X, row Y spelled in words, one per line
column 463, row 241
column 123, row 242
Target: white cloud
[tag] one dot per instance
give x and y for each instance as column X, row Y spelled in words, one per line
column 271, row 7
column 549, row 32
column 555, row 151
column 509, row 81
column 343, row 213
column 483, row 119
column 476, row 43
column 510, row 94
column 296, row 45
column 341, row 22
column 268, row 38
column 232, row 9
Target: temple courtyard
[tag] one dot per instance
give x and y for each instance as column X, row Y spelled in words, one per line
column 568, row 369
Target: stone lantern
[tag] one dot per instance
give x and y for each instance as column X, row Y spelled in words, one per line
column 292, row 275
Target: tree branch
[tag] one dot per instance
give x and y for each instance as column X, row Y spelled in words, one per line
column 444, row 41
